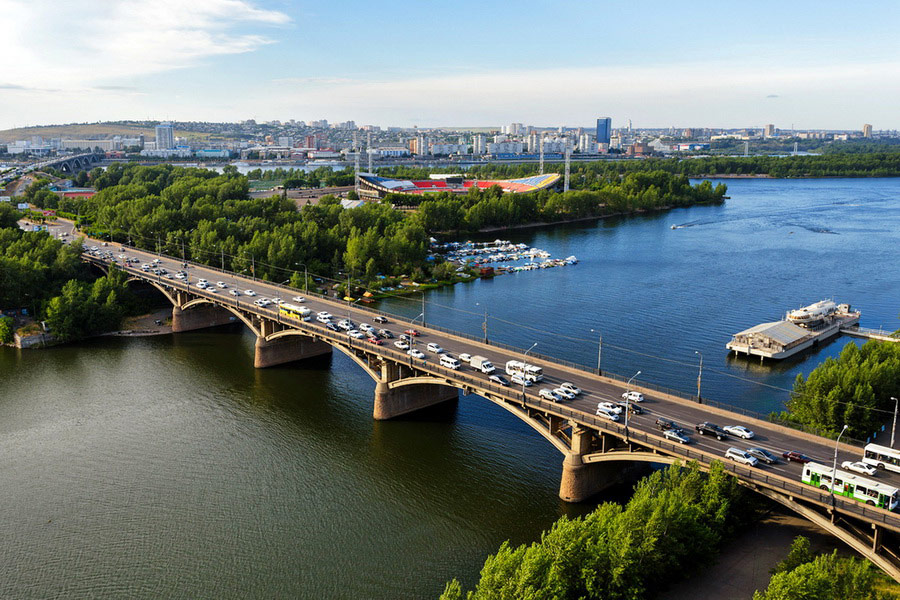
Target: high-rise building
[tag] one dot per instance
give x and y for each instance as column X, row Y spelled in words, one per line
column 769, row 131
column 165, row 136
column 604, row 130
column 478, row 144
column 585, row 144
column 867, row 131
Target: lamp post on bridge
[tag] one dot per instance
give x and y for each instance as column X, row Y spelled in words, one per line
column 525, row 368
column 834, row 465
column 627, row 403
column 699, row 377
column 599, row 349
column 305, row 276
column 894, row 426
column 484, row 322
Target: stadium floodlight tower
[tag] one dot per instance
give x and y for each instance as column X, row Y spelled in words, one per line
column 541, row 145
column 356, row 163
column 369, row 149
column 568, row 157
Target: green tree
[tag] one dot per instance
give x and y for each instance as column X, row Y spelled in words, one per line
column 6, row 330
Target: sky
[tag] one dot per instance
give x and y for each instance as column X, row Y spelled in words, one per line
column 807, row 64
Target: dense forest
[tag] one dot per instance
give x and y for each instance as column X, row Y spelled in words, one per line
column 855, row 390
column 670, row 528
column 209, row 217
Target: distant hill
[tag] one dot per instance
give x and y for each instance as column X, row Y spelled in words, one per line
column 88, row 131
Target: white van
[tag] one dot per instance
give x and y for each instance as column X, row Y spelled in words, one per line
column 449, row 362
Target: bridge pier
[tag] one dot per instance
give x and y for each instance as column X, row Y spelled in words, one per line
column 390, row 403
column 269, row 353
column 200, row 317
column 581, row 480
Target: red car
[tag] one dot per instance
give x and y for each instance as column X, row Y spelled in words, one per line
column 411, row 332
column 794, row 456
column 374, row 340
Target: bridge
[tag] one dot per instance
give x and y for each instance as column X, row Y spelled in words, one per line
column 66, row 164
column 593, row 447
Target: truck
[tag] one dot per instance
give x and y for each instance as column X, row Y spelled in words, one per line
column 480, row 363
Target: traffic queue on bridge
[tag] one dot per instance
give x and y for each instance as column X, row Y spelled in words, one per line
column 522, row 374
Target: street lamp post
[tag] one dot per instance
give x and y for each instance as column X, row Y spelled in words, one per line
column 699, row 377
column 627, row 398
column 305, row 277
column 599, row 349
column 525, row 367
column 834, row 465
column 484, row 323
column 894, row 426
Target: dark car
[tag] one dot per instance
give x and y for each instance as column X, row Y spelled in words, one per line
column 762, row 455
column 794, row 456
column 635, row 409
column 707, row 428
column 380, row 319
column 331, row 326
column 665, row 424
column 386, row 334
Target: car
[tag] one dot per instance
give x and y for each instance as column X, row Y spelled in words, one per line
column 346, row 324
column 180, row 275
column 262, row 302
column 299, row 299
column 386, row 334
column 365, row 327
column 405, row 337
column 324, row 314
column 707, row 428
column 564, row 393
column 249, row 293
column 548, row 394
column 609, row 415
column 322, row 319
column 465, row 357
column 738, row 455
column 571, row 387
column 666, row 424
column 633, row 408
column 676, row 435
column 416, row 353
column 380, row 319
column 794, row 456
column 517, row 380
column 401, row 345
column 435, row 348
column 357, row 335
column 609, row 406
column 201, row 280
column 411, row 332
column 202, row 285
column 859, row 467
column 499, row 380
column 739, row 431
column 278, row 301
column 374, row 340
column 212, row 289
column 234, row 293
column 221, row 284
column 331, row 326
column 763, row 455
column 633, row 396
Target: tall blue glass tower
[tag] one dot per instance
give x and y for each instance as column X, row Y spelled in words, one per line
column 604, row 130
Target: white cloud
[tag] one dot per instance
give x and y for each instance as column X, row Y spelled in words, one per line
column 73, row 45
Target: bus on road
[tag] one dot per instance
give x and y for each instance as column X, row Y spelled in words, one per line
column 851, row 486
column 882, row 457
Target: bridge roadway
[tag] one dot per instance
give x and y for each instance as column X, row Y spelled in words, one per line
column 572, row 427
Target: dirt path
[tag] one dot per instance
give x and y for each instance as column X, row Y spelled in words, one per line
column 146, row 324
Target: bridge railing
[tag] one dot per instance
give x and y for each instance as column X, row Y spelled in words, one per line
column 289, row 291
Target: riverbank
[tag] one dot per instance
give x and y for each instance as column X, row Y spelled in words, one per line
column 158, row 322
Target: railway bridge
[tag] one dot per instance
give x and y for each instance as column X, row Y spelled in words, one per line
column 593, row 447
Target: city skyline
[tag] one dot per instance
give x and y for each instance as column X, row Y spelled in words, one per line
column 227, row 60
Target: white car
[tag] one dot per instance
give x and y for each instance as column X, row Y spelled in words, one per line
column 549, row 394
column 401, row 345
column 299, row 299
column 323, row 319
column 432, row 347
column 738, row 455
column 324, row 314
column 676, row 435
column 571, row 387
column 859, row 467
column 234, row 293
column 609, row 415
column 249, row 293
column 345, row 324
column 465, row 358
column 610, row 407
column 277, row 300
column 633, row 396
column 739, row 431
column 564, row 393
column 416, row 353
column 180, row 275
column 358, row 335
column 221, row 284
column 202, row 285
column 517, row 380
column 365, row 327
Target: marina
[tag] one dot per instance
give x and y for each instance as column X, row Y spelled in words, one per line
column 800, row 330
column 483, row 254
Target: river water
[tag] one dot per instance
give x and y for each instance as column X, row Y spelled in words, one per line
column 169, row 467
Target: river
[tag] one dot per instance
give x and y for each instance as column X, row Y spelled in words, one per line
column 169, row 467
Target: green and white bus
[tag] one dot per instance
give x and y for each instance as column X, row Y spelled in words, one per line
column 882, row 457
column 852, row 486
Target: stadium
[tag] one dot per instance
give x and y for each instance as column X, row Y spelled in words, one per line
column 375, row 187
